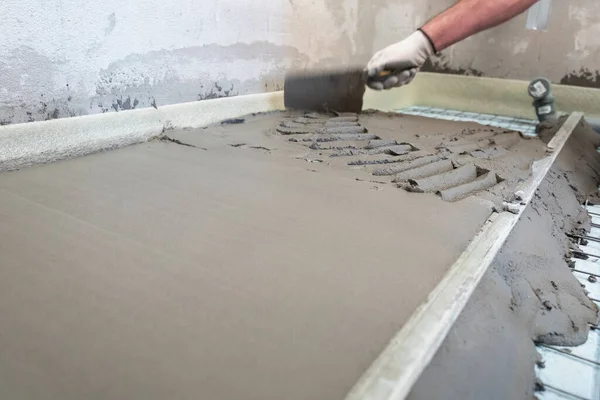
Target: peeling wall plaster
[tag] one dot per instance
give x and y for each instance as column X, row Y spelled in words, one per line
column 62, row 58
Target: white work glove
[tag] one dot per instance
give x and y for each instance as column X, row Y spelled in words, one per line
column 399, row 62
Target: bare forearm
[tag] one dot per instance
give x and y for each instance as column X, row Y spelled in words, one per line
column 469, row 17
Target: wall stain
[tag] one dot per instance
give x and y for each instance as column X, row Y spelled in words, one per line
column 6, row 121
column 123, row 105
column 441, row 67
column 583, row 78
column 273, row 86
column 60, row 108
column 29, row 91
column 191, row 73
column 101, row 106
column 54, row 115
column 43, row 109
column 112, row 22
column 142, row 80
column 217, row 91
column 126, row 105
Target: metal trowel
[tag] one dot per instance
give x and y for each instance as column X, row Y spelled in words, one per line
column 336, row 90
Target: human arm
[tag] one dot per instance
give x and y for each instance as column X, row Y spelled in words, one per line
column 464, row 19
column 468, row 17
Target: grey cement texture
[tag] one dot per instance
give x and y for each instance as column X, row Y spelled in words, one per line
column 528, row 296
column 456, row 177
column 426, row 149
column 230, row 262
column 219, row 263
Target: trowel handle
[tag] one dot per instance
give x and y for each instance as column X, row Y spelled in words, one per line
column 382, row 75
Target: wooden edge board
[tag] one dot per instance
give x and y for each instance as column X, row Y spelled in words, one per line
column 399, row 366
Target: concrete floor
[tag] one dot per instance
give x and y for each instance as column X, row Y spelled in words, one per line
column 166, row 271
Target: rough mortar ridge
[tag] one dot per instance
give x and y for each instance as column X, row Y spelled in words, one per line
column 449, row 169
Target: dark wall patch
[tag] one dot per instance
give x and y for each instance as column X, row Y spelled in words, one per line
column 126, row 105
column 140, row 80
column 120, row 104
column 53, row 115
column 442, row 67
column 41, row 108
column 217, row 91
column 6, row 121
column 583, row 78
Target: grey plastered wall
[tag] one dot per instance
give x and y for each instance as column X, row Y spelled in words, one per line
column 568, row 52
column 61, row 58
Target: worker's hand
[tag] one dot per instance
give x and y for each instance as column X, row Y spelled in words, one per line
column 397, row 65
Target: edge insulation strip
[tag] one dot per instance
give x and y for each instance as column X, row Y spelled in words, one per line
column 32, row 143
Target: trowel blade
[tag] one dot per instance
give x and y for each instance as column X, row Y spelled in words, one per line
column 340, row 90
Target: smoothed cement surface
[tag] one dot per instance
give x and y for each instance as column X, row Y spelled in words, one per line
column 217, row 271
